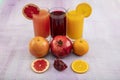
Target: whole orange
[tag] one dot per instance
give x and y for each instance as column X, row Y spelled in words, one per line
column 39, row 47
column 80, row 47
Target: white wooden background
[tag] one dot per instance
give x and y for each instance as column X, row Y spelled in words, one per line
column 101, row 30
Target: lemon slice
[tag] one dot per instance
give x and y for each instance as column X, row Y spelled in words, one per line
column 79, row 66
column 84, row 9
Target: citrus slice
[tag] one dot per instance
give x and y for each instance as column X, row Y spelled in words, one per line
column 79, row 66
column 84, row 9
column 40, row 65
column 29, row 10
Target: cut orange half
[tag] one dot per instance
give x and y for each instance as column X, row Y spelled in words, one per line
column 79, row 66
column 40, row 65
column 84, row 9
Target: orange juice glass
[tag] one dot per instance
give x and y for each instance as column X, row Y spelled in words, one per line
column 41, row 23
column 74, row 25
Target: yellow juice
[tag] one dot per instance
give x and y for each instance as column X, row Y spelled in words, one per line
column 74, row 25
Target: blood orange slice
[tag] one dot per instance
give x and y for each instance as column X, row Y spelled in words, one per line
column 40, row 65
column 29, row 10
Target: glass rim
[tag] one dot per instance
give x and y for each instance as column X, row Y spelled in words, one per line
column 41, row 8
column 74, row 15
column 59, row 8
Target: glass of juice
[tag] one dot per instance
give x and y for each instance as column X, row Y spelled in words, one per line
column 74, row 25
column 41, row 23
column 57, row 21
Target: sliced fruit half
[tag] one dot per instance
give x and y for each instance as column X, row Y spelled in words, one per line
column 40, row 65
column 84, row 9
column 79, row 66
column 29, row 10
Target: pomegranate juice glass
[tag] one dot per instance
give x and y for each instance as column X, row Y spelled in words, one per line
column 41, row 23
column 57, row 21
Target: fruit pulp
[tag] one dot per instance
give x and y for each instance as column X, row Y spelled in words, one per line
column 74, row 25
column 84, row 9
column 41, row 23
column 40, row 65
column 58, row 23
column 29, row 10
column 59, row 65
column 79, row 66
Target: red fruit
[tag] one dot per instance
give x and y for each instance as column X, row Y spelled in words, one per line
column 29, row 10
column 40, row 65
column 61, row 46
column 59, row 65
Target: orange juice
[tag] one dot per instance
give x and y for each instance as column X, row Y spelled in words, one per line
column 41, row 23
column 74, row 25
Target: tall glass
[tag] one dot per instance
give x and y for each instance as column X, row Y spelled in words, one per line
column 57, row 21
column 74, row 25
column 41, row 23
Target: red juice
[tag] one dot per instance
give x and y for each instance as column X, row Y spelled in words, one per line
column 58, row 23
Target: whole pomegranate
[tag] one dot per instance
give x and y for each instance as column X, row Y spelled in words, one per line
column 61, row 46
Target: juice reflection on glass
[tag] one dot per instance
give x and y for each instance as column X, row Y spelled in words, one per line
column 41, row 23
column 74, row 25
column 58, row 21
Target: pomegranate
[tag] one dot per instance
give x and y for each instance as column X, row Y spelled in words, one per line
column 61, row 46
column 59, row 65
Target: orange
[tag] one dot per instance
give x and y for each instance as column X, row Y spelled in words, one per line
column 80, row 47
column 84, row 9
column 39, row 46
column 79, row 66
column 40, row 65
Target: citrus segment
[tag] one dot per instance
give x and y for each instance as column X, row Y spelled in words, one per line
column 29, row 10
column 80, row 47
column 79, row 66
column 40, row 65
column 84, row 9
